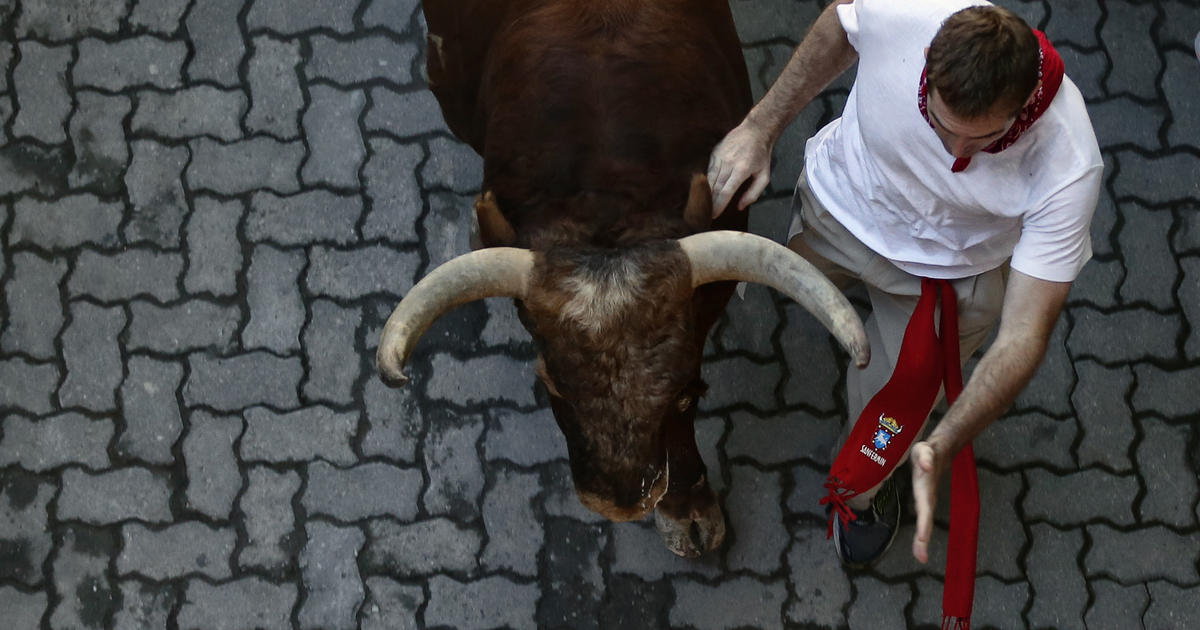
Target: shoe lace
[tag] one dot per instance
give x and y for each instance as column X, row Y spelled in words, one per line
column 835, row 499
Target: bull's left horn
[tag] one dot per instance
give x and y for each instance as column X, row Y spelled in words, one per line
column 729, row 255
column 490, row 272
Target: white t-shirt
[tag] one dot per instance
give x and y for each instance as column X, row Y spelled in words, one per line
column 884, row 174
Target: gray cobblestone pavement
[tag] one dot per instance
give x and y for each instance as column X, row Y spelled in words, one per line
column 208, row 209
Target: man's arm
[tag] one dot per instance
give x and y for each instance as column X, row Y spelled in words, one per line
column 1031, row 308
column 745, row 153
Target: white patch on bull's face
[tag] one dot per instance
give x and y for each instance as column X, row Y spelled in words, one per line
column 600, row 296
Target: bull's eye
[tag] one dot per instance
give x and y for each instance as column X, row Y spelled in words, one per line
column 685, row 402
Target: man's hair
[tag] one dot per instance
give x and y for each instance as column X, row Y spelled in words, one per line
column 983, row 59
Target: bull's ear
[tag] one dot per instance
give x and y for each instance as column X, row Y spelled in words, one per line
column 493, row 229
column 698, row 213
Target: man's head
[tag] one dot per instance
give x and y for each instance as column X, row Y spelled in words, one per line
column 981, row 69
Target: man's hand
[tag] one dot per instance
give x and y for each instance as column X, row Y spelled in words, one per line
column 927, row 467
column 744, row 154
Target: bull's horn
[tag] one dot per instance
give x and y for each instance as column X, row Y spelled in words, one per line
column 490, row 272
column 729, row 255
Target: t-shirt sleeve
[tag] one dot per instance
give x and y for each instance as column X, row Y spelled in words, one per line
column 848, row 15
column 1055, row 239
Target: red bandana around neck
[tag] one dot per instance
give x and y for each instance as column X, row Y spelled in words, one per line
column 1050, row 73
column 890, row 423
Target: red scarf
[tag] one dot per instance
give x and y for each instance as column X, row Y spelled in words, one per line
column 891, row 421
column 1050, row 73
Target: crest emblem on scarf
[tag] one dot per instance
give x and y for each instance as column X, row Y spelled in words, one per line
column 888, row 428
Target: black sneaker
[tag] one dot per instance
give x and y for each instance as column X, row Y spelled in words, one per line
column 861, row 542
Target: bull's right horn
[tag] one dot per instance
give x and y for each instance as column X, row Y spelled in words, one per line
column 728, row 255
column 490, row 272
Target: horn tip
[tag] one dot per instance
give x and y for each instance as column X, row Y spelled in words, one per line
column 393, row 380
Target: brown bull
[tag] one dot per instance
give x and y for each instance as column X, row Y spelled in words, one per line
column 592, row 118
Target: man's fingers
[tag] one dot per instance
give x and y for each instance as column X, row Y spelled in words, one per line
column 757, row 186
column 925, row 498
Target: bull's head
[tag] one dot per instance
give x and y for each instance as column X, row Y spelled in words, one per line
column 617, row 340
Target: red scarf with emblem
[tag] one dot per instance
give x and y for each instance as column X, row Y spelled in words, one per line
column 1050, row 74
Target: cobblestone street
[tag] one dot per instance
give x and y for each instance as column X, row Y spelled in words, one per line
column 208, row 208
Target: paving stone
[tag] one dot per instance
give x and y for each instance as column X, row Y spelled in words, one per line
column 460, row 382
column 49, row 443
column 1050, row 389
column 1028, row 438
column 526, row 439
column 202, row 110
column 1075, row 22
column 359, row 60
column 575, row 577
column 189, row 325
column 1168, row 393
column 180, row 550
column 452, row 165
column 1187, row 234
column 216, row 37
column 1170, row 606
column 1104, row 222
column 1149, row 553
column 24, row 610
column 636, row 605
column 133, row 62
column 391, row 605
column 393, row 14
column 394, row 422
column 98, row 135
column 1100, row 402
column 1106, row 336
column 559, row 498
column 214, row 478
column 503, row 326
column 807, row 488
column 258, row 163
column 67, row 222
column 92, row 356
column 390, row 183
column 997, row 605
column 150, row 410
column 638, row 550
column 6, row 53
column 110, row 497
column 60, row 21
column 1185, row 114
column 274, row 83
column 1054, row 575
column 40, row 83
column 6, row 110
column 1171, row 485
column 1032, row 12
column 1111, row 121
column 85, row 595
column 1097, row 285
column 447, row 227
column 240, row 381
column 484, row 603
column 453, row 465
column 820, row 588
column 292, row 18
column 214, row 254
column 273, row 295
column 35, row 311
column 422, row 548
column 781, row 438
column 363, row 491
column 144, row 606
column 333, row 359
column 302, row 435
column 1189, row 299
column 125, row 275
column 758, row 22
column 270, row 520
column 28, row 386
column 749, row 324
column 309, row 217
column 737, row 382
column 1080, row 497
column 359, row 272
column 514, row 533
column 1001, row 531
column 1115, row 607
column 29, row 167
column 754, row 514
column 333, row 587
column 336, row 149
column 24, row 522
column 1151, row 268
column 878, row 605
column 735, row 603
column 404, row 114
column 159, row 16
column 1135, row 62
column 250, row 602
column 812, row 377
column 1086, row 69
column 1157, row 180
